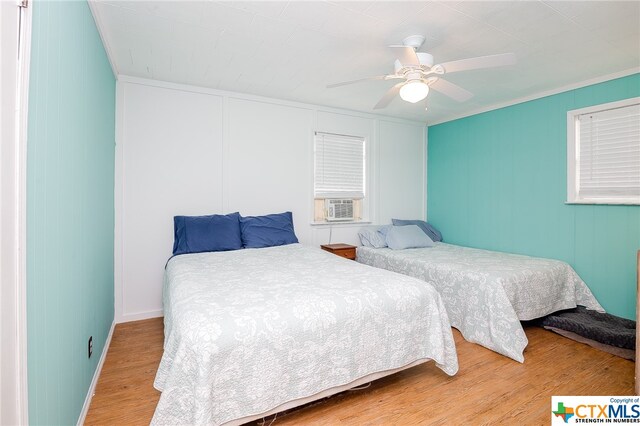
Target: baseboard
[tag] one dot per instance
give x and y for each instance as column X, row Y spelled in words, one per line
column 140, row 316
column 96, row 376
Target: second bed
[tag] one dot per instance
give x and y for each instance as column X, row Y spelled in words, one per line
column 488, row 293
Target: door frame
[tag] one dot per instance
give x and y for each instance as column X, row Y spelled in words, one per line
column 15, row 25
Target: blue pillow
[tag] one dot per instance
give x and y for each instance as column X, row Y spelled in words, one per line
column 267, row 231
column 409, row 236
column 431, row 232
column 197, row 234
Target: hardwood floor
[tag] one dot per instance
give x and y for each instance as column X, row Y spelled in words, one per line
column 488, row 389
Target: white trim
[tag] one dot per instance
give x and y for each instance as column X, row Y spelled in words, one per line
column 601, row 107
column 96, row 375
column 118, row 190
column 311, row 158
column 243, row 96
column 226, row 144
column 365, row 210
column 425, row 174
column 345, row 224
column 375, row 213
column 572, row 154
column 539, row 95
column 140, row 316
column 22, row 212
column 603, row 201
column 13, row 119
column 98, row 22
column 572, row 159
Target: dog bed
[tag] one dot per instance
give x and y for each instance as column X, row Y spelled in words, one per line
column 601, row 330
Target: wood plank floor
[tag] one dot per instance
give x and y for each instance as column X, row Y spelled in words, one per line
column 488, row 389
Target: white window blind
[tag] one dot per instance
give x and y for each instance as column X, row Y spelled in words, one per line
column 339, row 166
column 603, row 153
column 608, row 154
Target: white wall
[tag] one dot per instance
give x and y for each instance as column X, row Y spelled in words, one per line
column 183, row 150
column 399, row 176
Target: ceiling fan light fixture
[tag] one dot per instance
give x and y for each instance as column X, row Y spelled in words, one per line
column 414, row 91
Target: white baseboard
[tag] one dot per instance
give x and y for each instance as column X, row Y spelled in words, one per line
column 140, row 316
column 96, row 376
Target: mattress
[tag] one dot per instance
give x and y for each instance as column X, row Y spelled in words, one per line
column 247, row 331
column 488, row 293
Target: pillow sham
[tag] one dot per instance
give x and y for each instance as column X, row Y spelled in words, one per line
column 267, row 231
column 431, row 232
column 384, row 229
column 197, row 234
column 408, row 236
column 373, row 236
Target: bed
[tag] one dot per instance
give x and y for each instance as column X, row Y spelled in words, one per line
column 254, row 331
column 488, row 293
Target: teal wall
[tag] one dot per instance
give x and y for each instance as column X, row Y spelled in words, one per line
column 497, row 180
column 70, row 210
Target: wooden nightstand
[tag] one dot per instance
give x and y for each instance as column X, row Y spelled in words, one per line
column 343, row 250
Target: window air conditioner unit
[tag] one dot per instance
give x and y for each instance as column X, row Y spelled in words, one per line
column 339, row 209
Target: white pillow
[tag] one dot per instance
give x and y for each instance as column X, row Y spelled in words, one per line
column 409, row 236
column 373, row 236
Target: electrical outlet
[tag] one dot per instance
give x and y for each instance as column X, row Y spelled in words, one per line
column 90, row 346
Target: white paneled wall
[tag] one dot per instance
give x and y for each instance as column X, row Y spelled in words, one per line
column 184, row 150
column 170, row 148
column 267, row 167
column 401, row 171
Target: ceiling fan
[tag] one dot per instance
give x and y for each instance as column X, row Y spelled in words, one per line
column 418, row 73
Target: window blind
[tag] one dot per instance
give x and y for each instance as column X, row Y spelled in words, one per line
column 339, row 166
column 609, row 154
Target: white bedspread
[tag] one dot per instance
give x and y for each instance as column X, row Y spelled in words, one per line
column 487, row 293
column 248, row 330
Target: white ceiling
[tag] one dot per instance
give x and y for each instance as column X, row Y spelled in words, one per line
column 292, row 50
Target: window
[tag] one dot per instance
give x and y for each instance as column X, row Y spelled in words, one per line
column 603, row 153
column 339, row 174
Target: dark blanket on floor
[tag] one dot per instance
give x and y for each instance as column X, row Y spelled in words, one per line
column 601, row 327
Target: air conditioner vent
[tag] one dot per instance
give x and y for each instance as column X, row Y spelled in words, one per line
column 339, row 209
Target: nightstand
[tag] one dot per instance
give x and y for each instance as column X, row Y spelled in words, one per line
column 343, row 250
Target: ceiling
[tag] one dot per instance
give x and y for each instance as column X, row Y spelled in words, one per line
column 293, row 50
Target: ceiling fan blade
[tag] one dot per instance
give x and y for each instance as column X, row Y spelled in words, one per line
column 344, row 83
column 388, row 97
column 451, row 90
column 407, row 55
column 490, row 61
